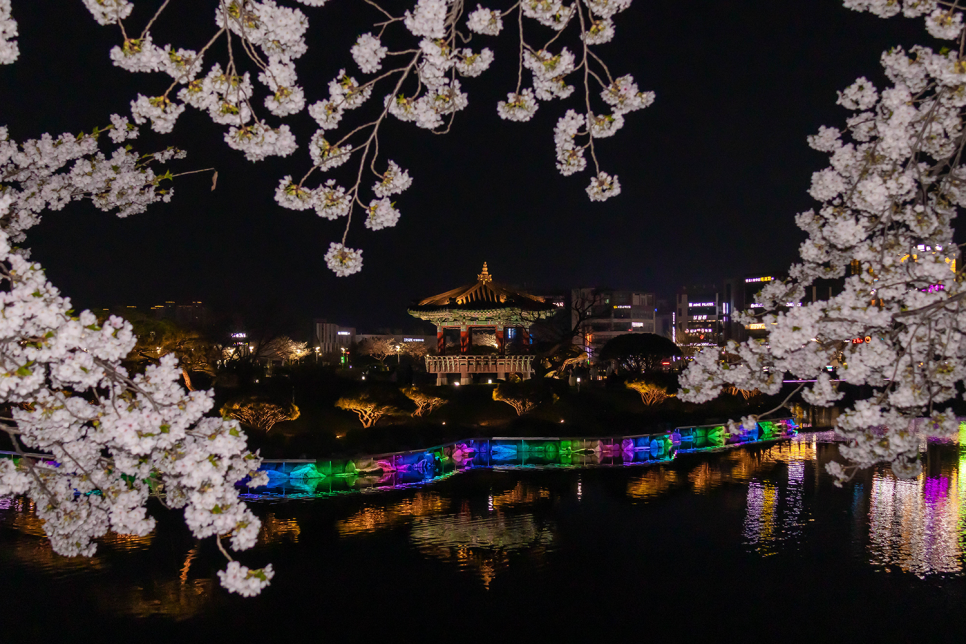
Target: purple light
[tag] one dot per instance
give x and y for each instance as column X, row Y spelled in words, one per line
column 936, row 489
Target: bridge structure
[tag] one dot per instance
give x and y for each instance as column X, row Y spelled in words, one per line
column 396, row 470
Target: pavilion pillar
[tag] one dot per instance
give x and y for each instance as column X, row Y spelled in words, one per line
column 440, row 341
column 526, row 339
column 500, row 342
column 440, row 379
column 464, row 339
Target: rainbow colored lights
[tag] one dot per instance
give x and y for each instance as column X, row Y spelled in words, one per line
column 308, row 478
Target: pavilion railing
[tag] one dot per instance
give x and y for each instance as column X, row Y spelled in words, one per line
column 479, row 364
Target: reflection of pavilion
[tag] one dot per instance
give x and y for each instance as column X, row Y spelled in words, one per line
column 484, row 306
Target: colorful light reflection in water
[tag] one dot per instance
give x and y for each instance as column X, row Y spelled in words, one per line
column 402, row 470
column 770, row 499
column 918, row 525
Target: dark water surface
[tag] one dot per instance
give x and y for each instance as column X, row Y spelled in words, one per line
column 748, row 544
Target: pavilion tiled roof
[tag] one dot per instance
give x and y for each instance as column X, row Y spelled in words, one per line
column 482, row 295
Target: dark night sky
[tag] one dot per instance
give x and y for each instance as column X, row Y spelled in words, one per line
column 712, row 174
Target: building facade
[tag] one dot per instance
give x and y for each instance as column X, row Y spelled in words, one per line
column 330, row 338
column 697, row 316
column 609, row 313
column 400, row 338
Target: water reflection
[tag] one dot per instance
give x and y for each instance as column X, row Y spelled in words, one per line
column 377, row 517
column 479, row 542
column 275, row 530
column 482, row 543
column 759, row 528
column 170, row 592
column 171, row 598
column 521, row 494
column 773, row 498
column 917, row 525
column 775, row 504
column 652, row 484
column 734, row 466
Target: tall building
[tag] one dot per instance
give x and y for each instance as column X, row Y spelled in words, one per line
column 331, row 338
column 698, row 313
column 739, row 295
column 609, row 313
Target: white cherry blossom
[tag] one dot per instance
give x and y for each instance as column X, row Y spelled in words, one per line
column 343, row 260
column 427, row 19
column 486, row 22
column 394, row 181
column 518, row 107
column 894, row 184
column 332, row 201
column 108, row 12
column 258, row 141
column 9, row 51
column 368, row 53
column 293, row 196
column 381, row 214
column 603, row 187
column 471, row 64
column 600, row 32
column 119, row 455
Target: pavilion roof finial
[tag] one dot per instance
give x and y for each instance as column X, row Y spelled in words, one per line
column 485, row 277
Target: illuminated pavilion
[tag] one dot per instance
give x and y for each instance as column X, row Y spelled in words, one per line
column 487, row 306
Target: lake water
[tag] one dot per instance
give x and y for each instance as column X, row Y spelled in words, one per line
column 749, row 544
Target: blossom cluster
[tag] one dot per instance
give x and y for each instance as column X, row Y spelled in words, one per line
column 9, row 51
column 114, row 439
column 888, row 198
column 270, row 38
column 50, row 172
column 570, row 158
